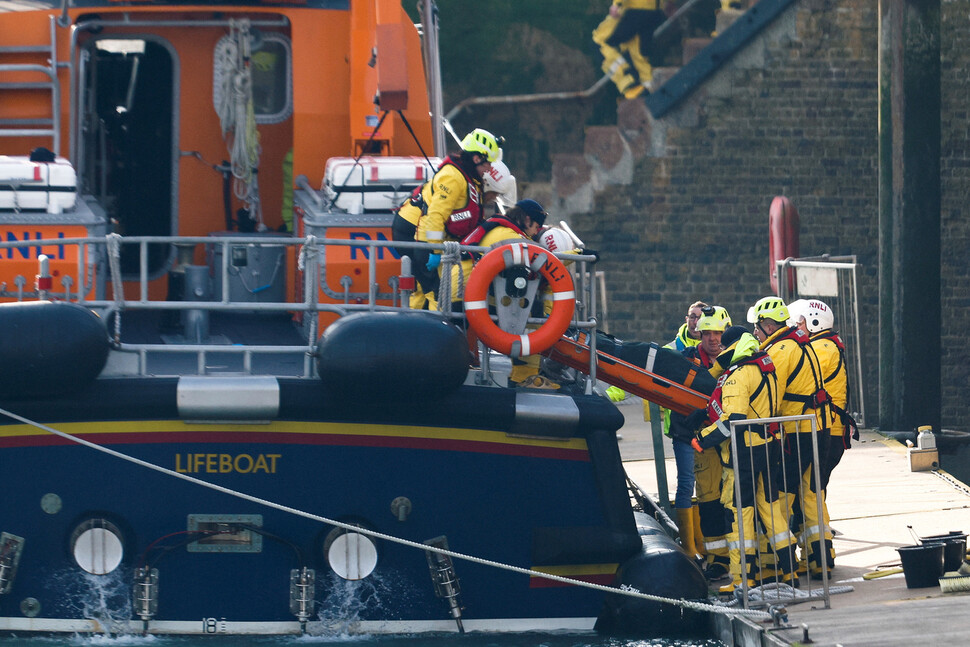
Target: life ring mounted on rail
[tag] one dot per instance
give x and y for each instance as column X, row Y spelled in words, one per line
column 515, row 293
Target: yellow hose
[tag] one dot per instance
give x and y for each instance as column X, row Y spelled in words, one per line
column 871, row 575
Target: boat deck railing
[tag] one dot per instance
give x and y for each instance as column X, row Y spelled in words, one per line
column 116, row 296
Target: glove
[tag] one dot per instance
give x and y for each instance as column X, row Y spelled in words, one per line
column 696, row 444
column 592, row 252
column 615, row 394
column 433, row 262
column 695, row 419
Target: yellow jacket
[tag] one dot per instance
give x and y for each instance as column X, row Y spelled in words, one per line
column 799, row 375
column 496, row 235
column 832, row 362
column 447, row 192
column 746, row 390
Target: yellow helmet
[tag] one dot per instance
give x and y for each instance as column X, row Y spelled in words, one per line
column 768, row 308
column 482, row 142
column 713, row 318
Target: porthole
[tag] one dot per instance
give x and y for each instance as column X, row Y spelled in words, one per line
column 97, row 546
column 351, row 555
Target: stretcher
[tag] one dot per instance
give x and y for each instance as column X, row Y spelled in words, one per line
column 664, row 391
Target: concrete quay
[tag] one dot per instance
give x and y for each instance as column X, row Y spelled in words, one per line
column 876, row 503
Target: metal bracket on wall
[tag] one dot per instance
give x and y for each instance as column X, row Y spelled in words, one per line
column 712, row 57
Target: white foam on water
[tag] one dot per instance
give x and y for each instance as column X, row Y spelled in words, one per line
column 346, row 601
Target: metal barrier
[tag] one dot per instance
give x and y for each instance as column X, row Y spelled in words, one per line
column 834, row 280
column 782, row 447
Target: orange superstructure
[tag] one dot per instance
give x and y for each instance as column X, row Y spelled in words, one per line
column 141, row 102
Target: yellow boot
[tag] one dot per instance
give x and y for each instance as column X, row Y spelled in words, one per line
column 698, row 535
column 685, row 526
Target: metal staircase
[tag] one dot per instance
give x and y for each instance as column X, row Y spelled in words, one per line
column 46, row 125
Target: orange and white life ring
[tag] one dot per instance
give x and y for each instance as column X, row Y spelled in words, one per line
column 538, row 260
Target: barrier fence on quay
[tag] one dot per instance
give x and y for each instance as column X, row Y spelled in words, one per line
column 767, row 470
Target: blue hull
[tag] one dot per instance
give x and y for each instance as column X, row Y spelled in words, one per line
column 540, row 498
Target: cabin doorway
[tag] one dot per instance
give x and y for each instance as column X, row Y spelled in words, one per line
column 127, row 126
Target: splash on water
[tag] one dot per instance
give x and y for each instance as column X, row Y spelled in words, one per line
column 347, row 602
column 105, row 599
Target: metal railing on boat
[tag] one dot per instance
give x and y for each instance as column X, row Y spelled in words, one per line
column 104, row 288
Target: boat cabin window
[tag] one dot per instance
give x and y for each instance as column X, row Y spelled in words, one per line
column 270, row 72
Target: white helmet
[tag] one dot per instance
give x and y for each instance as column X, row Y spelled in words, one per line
column 556, row 240
column 818, row 316
column 501, row 181
column 796, row 312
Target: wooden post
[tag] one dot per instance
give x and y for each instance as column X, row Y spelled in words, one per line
column 909, row 214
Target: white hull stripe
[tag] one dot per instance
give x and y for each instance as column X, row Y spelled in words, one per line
column 314, row 628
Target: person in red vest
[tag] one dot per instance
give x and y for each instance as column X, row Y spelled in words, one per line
column 446, row 207
column 747, row 389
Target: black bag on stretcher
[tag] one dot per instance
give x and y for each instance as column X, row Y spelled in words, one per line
column 665, row 362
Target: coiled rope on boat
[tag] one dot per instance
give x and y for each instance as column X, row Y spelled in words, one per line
column 233, row 85
column 625, row 591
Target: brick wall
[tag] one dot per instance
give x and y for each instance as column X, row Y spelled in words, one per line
column 794, row 114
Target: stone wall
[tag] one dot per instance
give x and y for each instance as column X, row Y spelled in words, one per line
column 794, row 114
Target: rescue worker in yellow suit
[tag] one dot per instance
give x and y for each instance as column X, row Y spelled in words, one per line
column 816, row 318
column 747, row 389
column 522, row 221
column 624, row 38
column 801, row 391
column 446, row 207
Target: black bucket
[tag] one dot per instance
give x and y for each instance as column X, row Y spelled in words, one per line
column 922, row 565
column 954, row 548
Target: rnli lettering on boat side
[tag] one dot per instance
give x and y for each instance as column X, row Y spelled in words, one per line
column 364, row 252
column 226, row 463
column 54, row 252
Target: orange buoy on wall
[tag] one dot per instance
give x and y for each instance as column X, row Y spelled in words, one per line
column 783, row 228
